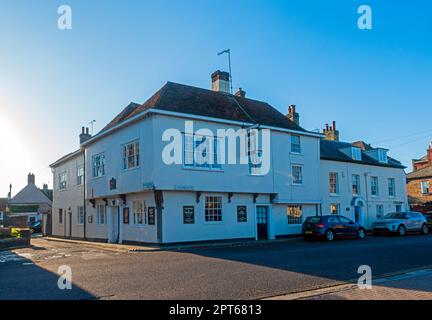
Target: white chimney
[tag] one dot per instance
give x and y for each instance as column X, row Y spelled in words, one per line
column 221, row 81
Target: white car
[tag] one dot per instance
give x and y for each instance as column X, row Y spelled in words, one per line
column 400, row 223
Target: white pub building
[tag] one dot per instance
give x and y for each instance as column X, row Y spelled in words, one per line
column 118, row 187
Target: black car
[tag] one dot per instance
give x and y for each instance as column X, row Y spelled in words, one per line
column 331, row 227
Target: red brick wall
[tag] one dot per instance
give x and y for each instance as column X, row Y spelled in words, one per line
column 414, row 191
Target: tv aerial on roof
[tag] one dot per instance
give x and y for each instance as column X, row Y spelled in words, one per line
column 228, row 52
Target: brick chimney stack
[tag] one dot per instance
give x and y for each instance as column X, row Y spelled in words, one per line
column 293, row 115
column 331, row 133
column 31, row 178
column 221, row 81
column 85, row 135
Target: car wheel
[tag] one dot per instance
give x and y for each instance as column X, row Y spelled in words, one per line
column 401, row 231
column 361, row 233
column 425, row 229
column 329, row 235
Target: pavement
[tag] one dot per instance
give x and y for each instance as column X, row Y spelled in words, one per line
column 277, row 270
column 182, row 246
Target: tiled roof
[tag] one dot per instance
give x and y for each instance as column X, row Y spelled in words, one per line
column 331, row 150
column 30, row 194
column 422, row 173
column 122, row 115
column 180, row 98
column 66, row 157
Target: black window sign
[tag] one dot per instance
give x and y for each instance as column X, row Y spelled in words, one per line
column 126, row 215
column 151, row 216
column 241, row 214
column 188, row 215
column 113, row 184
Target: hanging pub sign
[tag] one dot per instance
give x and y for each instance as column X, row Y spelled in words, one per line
column 151, row 216
column 188, row 215
column 241, row 214
column 125, row 215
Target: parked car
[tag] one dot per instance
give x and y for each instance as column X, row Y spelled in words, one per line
column 400, row 223
column 331, row 227
column 36, row 227
column 428, row 216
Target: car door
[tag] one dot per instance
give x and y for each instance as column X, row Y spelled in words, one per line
column 409, row 221
column 418, row 221
column 336, row 225
column 350, row 228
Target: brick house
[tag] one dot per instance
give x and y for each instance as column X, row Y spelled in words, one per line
column 419, row 183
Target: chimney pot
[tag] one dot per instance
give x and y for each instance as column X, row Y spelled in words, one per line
column 330, row 132
column 293, row 115
column 85, row 135
column 241, row 93
column 31, row 178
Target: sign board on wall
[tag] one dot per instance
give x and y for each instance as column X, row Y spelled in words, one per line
column 188, row 215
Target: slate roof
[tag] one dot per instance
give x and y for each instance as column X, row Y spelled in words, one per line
column 422, row 173
column 30, row 194
column 181, row 98
column 68, row 156
column 331, row 150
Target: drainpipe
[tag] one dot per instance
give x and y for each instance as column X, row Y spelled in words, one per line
column 84, row 196
column 367, row 198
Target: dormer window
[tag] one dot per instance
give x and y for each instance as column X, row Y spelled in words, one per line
column 356, row 153
column 382, row 156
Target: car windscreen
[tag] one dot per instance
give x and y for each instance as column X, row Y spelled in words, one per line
column 395, row 215
column 313, row 220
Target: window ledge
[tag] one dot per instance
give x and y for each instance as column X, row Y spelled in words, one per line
column 202, row 169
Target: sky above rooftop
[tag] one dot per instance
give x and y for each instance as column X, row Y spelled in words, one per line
column 376, row 84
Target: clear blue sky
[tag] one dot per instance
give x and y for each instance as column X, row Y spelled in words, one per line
column 375, row 83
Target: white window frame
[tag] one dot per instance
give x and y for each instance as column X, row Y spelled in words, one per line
column 296, row 144
column 356, row 153
column 60, row 216
column 101, row 215
column 80, row 215
column 80, row 178
column 139, row 207
column 358, row 184
column 190, row 155
column 374, row 187
column 294, row 181
column 62, row 181
column 294, row 215
column 382, row 156
column 217, row 202
column 335, row 184
column 379, row 211
column 131, row 155
column 425, row 187
column 391, row 187
column 99, row 170
column 337, row 206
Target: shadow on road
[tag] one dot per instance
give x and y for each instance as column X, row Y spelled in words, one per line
column 38, row 284
column 337, row 261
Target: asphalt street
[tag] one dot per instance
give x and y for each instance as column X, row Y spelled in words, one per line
column 249, row 272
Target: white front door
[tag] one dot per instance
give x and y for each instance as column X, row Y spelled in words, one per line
column 113, row 224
